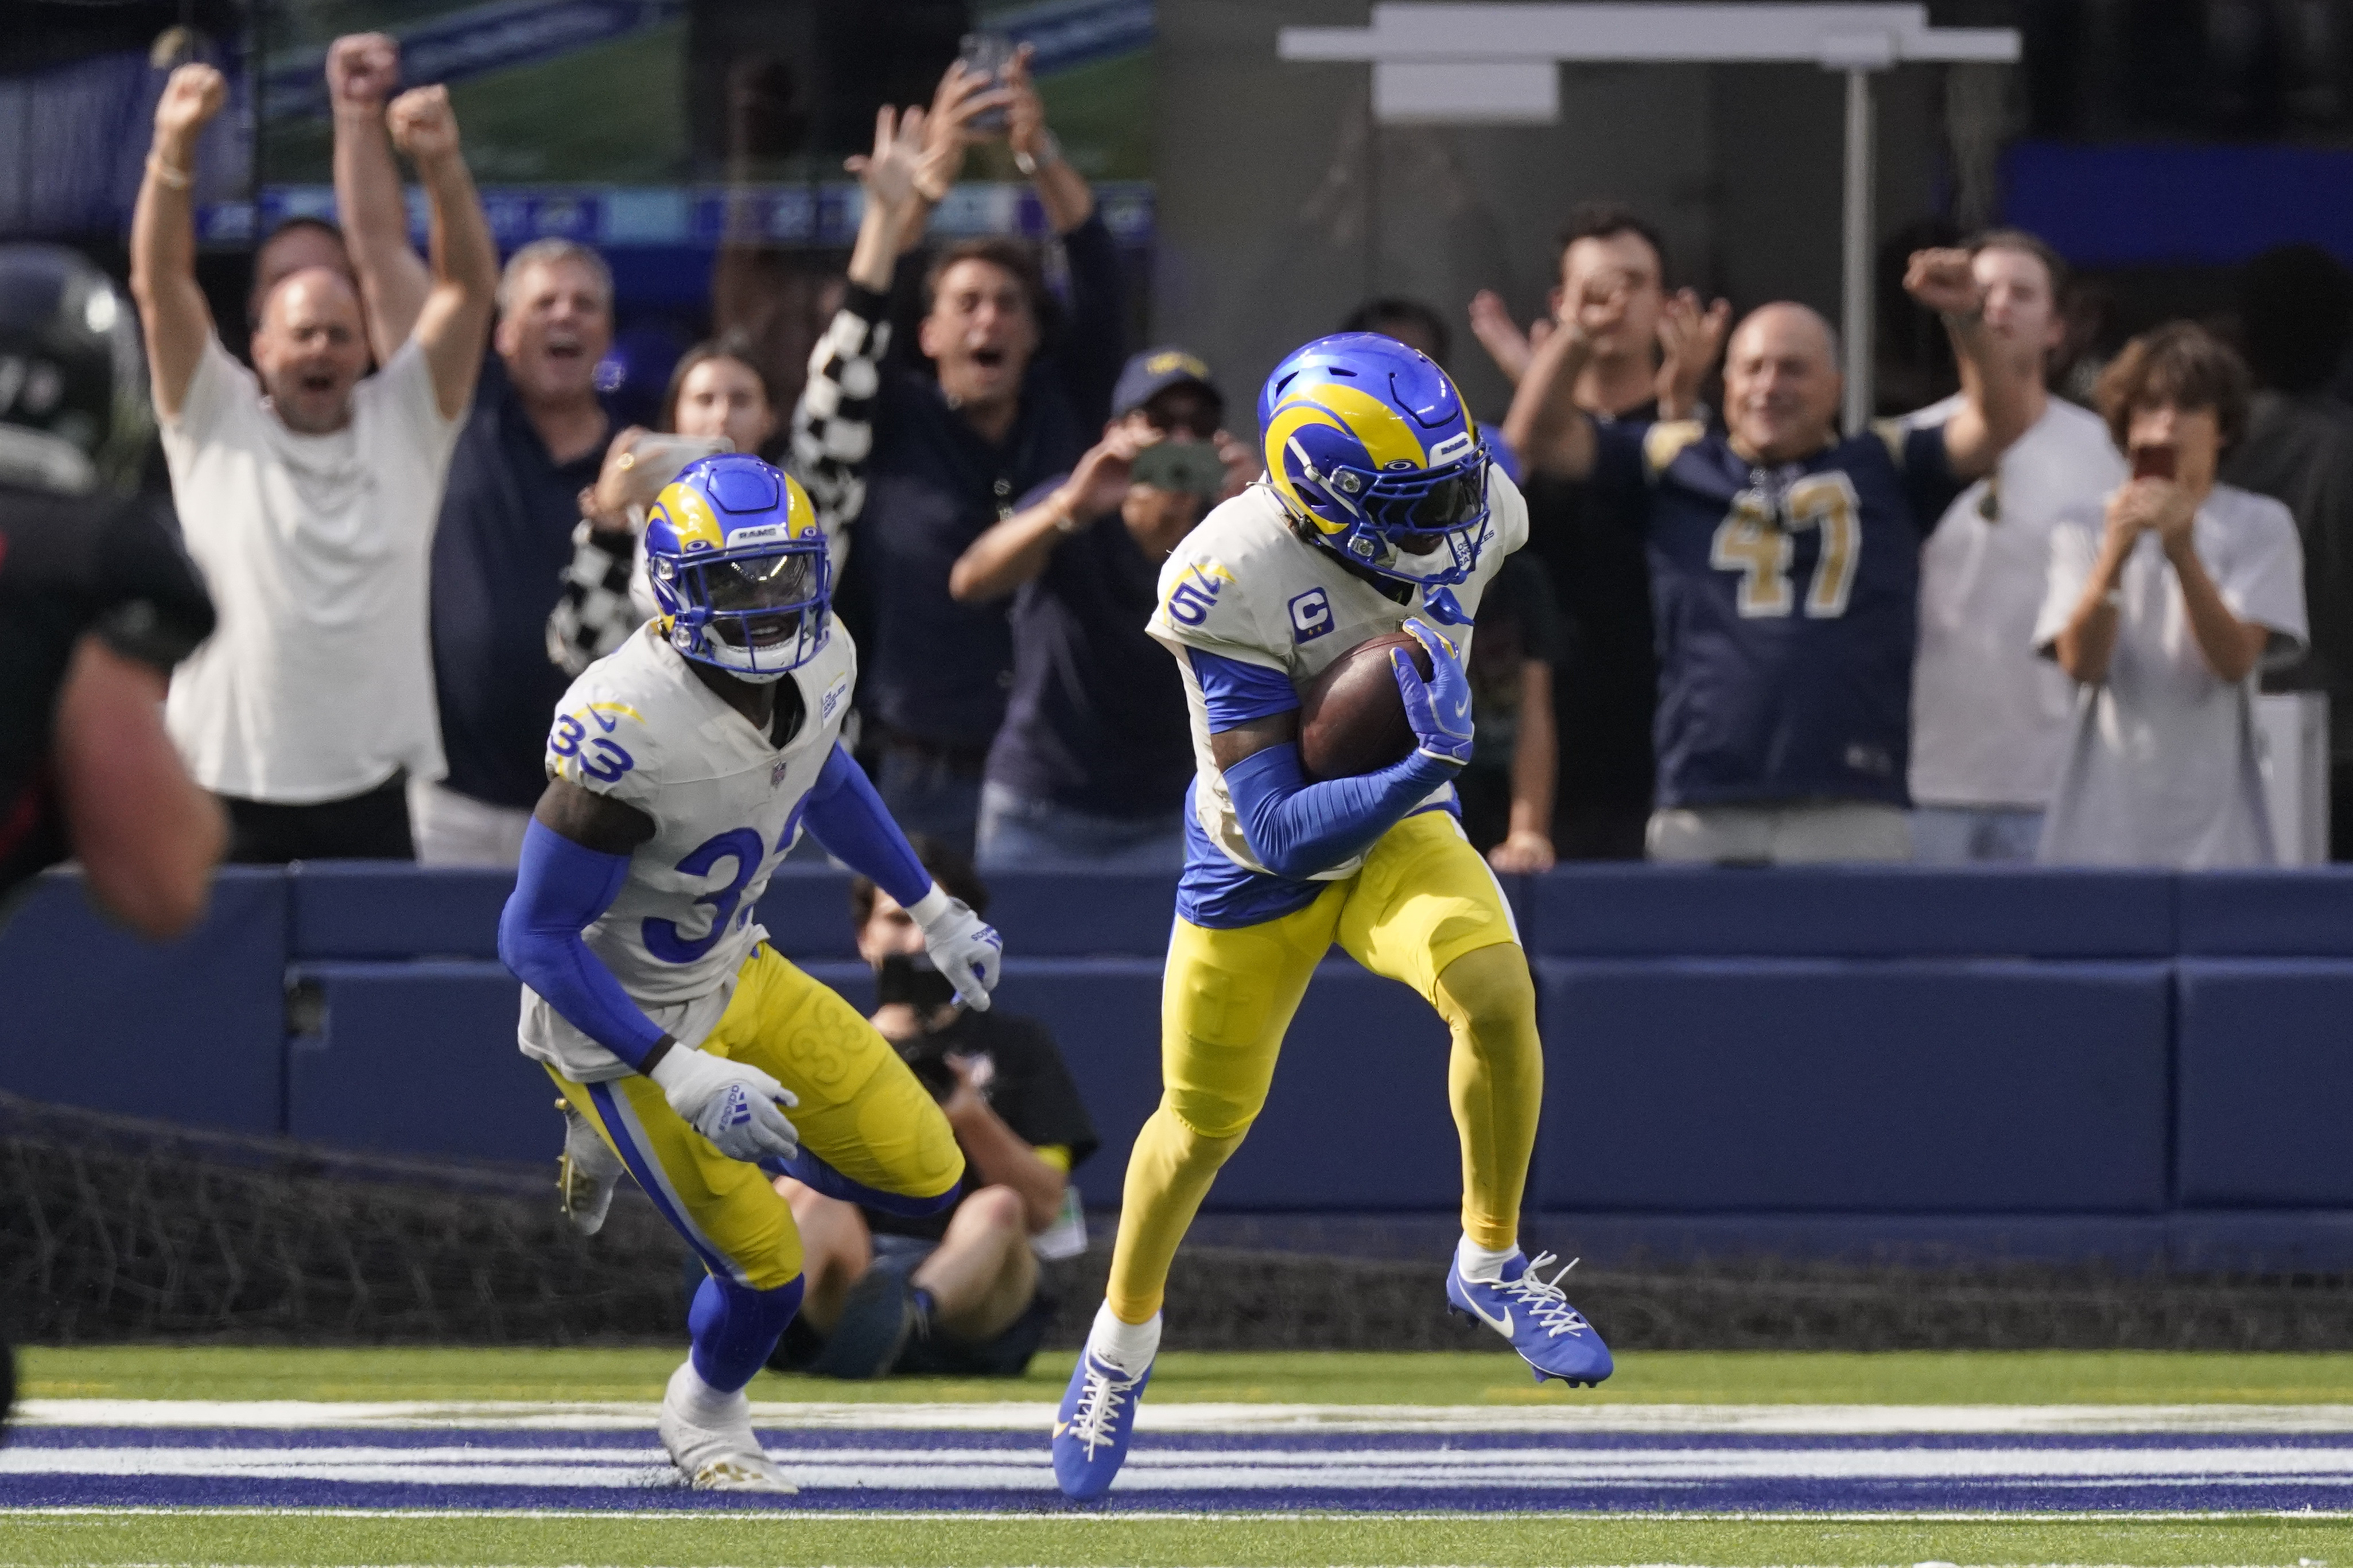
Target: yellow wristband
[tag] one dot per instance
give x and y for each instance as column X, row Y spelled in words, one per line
column 165, row 174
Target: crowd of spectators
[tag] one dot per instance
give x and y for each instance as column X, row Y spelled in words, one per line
column 2005, row 627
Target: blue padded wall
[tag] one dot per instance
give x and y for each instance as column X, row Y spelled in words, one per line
column 1040, row 915
column 2265, row 1092
column 1913, row 1086
column 807, row 911
column 420, row 1058
column 1834, row 1062
column 1849, row 911
column 374, row 908
column 193, row 1031
column 2304, row 913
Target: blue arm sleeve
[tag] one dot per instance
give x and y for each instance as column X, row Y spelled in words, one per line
column 1296, row 828
column 1235, row 693
column 560, row 889
column 850, row 819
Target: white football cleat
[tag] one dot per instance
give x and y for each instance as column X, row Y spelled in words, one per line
column 723, row 1457
column 587, row 1175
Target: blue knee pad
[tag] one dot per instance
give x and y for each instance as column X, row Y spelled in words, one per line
column 735, row 1326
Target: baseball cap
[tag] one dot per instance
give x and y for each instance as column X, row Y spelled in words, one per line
column 1154, row 372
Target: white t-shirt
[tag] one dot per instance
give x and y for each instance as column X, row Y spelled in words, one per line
column 1988, row 719
column 2161, row 766
column 319, row 683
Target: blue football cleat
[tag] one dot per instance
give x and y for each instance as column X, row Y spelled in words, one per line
column 1551, row 1336
column 1091, row 1429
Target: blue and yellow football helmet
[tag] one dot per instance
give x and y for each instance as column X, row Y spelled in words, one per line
column 1367, row 441
column 739, row 568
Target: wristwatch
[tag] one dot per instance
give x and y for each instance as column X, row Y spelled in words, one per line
column 1050, row 151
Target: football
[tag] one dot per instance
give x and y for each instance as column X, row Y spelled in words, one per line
column 1352, row 719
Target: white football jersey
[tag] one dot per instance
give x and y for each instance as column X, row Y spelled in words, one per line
column 1246, row 586
column 726, row 804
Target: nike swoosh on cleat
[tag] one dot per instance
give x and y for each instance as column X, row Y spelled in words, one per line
column 1502, row 1326
column 1061, row 1427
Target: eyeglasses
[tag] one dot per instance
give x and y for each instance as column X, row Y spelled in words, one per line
column 1198, row 416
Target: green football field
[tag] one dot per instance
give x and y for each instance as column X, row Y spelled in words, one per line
column 1289, row 1377
column 967, row 1541
column 59, row 1383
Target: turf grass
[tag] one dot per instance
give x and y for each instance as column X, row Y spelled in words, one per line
column 1312, row 1377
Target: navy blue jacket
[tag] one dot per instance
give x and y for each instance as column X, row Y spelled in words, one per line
column 936, row 669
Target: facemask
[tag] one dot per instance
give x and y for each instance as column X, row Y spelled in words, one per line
column 909, row 977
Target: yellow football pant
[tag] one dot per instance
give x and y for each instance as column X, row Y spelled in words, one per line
column 1424, row 910
column 860, row 1111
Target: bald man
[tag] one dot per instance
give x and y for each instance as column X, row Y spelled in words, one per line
column 308, row 494
column 1785, row 564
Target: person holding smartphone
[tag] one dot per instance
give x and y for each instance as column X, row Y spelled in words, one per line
column 1090, row 764
column 2162, row 604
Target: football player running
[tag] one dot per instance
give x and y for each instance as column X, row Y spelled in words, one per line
column 1379, row 511
column 682, row 767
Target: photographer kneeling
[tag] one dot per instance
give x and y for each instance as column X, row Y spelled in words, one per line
column 954, row 1293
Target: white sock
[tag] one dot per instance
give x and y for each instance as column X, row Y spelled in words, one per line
column 1127, row 1346
column 704, row 1405
column 1479, row 1262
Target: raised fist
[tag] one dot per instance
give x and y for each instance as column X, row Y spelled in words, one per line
column 422, row 124
column 363, row 68
column 1944, row 281
column 191, row 96
column 1599, row 309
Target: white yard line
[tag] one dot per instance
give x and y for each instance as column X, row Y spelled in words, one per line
column 1763, row 1420
column 1348, row 1468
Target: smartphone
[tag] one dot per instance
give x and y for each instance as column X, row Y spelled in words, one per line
column 986, row 54
column 2152, row 463
column 1190, row 465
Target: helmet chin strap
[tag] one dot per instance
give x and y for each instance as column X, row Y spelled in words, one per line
column 1443, row 608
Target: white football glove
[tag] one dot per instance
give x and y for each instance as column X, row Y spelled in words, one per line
column 964, row 947
column 731, row 1103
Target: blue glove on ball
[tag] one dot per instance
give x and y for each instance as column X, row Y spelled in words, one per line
column 1437, row 709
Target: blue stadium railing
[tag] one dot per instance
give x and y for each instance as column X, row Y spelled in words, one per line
column 2139, row 1067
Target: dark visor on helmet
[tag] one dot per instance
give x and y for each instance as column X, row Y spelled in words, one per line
column 760, row 583
column 1437, row 503
column 759, row 601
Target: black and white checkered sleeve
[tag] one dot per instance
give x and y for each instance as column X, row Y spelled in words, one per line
column 833, row 424
column 593, row 616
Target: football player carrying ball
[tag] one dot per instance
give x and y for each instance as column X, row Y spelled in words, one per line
column 1380, row 512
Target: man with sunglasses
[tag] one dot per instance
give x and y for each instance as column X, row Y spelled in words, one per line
column 682, row 768
column 1090, row 764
